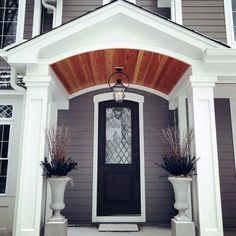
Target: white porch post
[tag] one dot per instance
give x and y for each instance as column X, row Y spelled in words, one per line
column 29, row 200
column 202, row 119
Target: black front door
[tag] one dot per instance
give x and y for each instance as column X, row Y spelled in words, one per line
column 118, row 159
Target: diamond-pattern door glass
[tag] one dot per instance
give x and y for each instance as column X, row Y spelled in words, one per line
column 118, row 136
column 6, row 111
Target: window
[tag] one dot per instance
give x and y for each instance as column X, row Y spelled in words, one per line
column 8, row 22
column 230, row 21
column 5, row 125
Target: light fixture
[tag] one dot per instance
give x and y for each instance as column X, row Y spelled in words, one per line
column 118, row 88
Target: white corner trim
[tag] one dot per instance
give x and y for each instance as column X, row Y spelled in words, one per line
column 233, row 123
column 36, row 18
column 20, row 21
column 142, row 218
column 229, row 23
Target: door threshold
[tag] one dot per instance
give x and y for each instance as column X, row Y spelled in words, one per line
column 118, row 228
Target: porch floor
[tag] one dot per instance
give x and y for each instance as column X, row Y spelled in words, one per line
column 144, row 231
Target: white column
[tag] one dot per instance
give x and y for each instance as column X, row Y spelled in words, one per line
column 202, row 119
column 183, row 126
column 29, row 196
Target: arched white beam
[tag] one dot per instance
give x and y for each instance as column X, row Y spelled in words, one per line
column 118, row 45
column 133, row 86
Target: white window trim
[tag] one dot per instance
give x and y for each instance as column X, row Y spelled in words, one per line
column 108, row 1
column 175, row 9
column 8, row 121
column 20, row 21
column 229, row 23
column 142, row 218
column 9, row 159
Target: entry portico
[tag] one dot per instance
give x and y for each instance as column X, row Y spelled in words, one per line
column 185, row 64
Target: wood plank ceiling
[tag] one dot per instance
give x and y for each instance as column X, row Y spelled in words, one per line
column 144, row 68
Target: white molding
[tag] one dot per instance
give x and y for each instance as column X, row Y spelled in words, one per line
column 51, row 46
column 37, row 18
column 20, row 21
column 233, row 123
column 132, row 86
column 142, row 218
column 104, row 2
column 229, row 23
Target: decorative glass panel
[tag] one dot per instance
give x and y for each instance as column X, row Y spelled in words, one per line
column 8, row 21
column 4, row 143
column 118, row 136
column 4, row 140
column 6, row 111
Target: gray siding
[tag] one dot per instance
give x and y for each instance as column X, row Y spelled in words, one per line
column 29, row 12
column 226, row 162
column 205, row 16
column 159, row 193
column 76, row 8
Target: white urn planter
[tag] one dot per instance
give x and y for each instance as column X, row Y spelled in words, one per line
column 181, row 187
column 58, row 185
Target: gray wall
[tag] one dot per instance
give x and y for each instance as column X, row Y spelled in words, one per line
column 76, row 8
column 205, row 16
column 226, row 162
column 80, row 116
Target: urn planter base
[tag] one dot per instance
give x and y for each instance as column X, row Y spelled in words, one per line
column 182, row 228
column 56, row 228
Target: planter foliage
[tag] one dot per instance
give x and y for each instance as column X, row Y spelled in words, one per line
column 59, row 164
column 177, row 160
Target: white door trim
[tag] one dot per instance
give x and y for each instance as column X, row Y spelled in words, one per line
column 140, row 218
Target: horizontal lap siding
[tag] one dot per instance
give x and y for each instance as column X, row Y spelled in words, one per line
column 205, row 16
column 78, row 199
column 76, row 8
column 226, row 162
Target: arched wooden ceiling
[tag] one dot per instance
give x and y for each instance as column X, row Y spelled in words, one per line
column 144, row 68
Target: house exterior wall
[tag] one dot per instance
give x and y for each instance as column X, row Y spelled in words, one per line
column 206, row 17
column 76, row 8
column 226, row 161
column 80, row 116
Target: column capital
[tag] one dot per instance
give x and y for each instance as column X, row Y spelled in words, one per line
column 202, row 81
column 37, row 80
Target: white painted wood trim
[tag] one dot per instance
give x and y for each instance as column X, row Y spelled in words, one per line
column 20, row 21
column 36, row 18
column 142, row 218
column 233, row 123
column 175, row 9
column 104, row 2
column 229, row 23
column 202, row 118
column 133, row 86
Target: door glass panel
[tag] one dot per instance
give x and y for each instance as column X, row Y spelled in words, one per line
column 118, row 136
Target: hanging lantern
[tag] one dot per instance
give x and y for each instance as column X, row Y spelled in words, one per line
column 118, row 88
